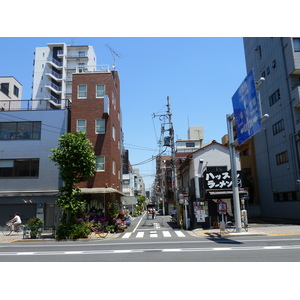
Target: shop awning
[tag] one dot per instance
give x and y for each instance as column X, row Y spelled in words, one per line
column 55, row 192
column 41, row 193
column 101, row 191
column 223, row 194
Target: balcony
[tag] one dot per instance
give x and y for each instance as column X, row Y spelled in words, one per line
column 81, row 56
column 54, row 75
column 93, row 69
column 296, row 95
column 53, row 87
column 60, row 53
column 55, row 63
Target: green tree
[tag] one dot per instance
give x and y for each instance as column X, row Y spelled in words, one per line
column 141, row 203
column 76, row 161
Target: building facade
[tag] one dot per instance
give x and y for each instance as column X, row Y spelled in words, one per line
column 10, row 93
column 53, row 69
column 205, row 178
column 96, row 111
column 277, row 144
column 29, row 179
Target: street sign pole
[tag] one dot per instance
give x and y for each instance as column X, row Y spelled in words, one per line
column 235, row 188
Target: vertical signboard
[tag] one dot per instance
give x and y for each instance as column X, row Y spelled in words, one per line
column 246, row 109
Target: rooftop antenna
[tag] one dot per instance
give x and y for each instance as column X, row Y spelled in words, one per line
column 72, row 41
column 114, row 54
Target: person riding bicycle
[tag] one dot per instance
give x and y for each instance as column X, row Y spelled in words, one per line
column 16, row 221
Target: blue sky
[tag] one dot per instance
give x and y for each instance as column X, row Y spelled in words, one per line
column 199, row 74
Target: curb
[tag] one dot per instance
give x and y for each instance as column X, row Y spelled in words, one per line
column 218, row 234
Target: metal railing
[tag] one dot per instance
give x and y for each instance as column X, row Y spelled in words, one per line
column 20, row 105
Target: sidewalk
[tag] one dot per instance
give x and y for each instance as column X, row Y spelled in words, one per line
column 255, row 229
column 267, row 229
column 14, row 237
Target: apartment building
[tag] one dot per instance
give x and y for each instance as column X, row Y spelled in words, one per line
column 96, row 110
column 277, row 144
column 53, row 69
column 29, row 179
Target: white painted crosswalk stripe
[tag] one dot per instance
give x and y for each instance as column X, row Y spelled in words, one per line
column 154, row 234
column 166, row 233
column 127, row 235
column 179, row 233
column 140, row 234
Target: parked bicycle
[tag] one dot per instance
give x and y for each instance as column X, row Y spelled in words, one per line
column 230, row 226
column 10, row 227
column 100, row 229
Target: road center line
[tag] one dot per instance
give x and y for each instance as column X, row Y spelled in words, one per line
column 139, row 222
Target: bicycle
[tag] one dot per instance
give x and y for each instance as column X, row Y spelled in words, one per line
column 10, row 227
column 230, row 226
column 100, row 230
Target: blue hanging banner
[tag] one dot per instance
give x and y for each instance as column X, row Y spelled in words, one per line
column 246, row 109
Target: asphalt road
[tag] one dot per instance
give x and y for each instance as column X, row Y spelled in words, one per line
column 148, row 240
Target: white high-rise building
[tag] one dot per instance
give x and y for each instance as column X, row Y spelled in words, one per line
column 53, row 69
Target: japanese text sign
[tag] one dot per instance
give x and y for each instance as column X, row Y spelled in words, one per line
column 220, row 180
column 246, row 109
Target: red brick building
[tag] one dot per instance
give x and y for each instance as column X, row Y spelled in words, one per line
column 96, row 110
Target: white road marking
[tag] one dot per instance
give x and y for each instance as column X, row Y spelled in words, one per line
column 166, row 233
column 140, row 234
column 126, row 235
column 179, row 233
column 153, row 234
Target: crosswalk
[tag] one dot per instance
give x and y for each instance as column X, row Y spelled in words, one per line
column 154, row 234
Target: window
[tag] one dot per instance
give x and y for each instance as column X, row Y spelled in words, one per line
column 114, row 167
column 81, row 91
column 81, row 125
column 217, row 169
column 16, row 91
column 287, row 196
column 20, row 130
column 282, row 158
column 274, row 97
column 5, row 88
column 19, row 167
column 81, row 53
column 114, row 133
column 277, row 127
column 100, row 90
column 81, row 67
column 190, row 144
column 100, row 126
column 296, row 43
column 100, row 164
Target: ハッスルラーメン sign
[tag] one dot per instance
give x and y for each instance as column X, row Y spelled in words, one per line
column 220, row 180
column 246, row 109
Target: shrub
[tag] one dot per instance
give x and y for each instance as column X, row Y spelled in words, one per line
column 72, row 231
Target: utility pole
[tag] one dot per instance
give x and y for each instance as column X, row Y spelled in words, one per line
column 167, row 125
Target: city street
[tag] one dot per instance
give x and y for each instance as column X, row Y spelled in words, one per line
column 158, row 240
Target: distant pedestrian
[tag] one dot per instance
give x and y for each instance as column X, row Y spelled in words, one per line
column 153, row 213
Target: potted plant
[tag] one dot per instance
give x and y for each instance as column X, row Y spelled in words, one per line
column 34, row 225
column 110, row 228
